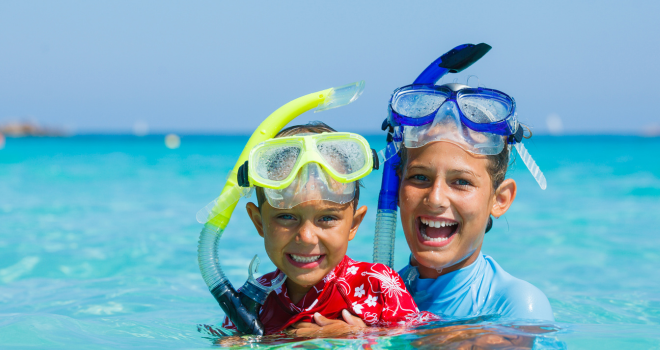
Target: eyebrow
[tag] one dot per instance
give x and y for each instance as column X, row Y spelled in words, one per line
column 463, row 171
column 452, row 171
column 339, row 207
column 412, row 167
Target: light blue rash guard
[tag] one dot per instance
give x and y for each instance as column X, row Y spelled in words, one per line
column 483, row 288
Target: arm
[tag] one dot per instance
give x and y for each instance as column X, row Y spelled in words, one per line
column 323, row 327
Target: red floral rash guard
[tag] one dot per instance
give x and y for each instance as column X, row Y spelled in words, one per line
column 373, row 292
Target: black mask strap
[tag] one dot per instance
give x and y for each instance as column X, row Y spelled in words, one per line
column 490, row 224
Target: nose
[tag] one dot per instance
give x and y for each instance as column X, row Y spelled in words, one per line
column 307, row 233
column 437, row 196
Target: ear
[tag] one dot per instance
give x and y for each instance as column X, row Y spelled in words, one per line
column 503, row 198
column 357, row 220
column 255, row 216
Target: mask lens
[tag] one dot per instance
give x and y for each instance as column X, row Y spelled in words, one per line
column 418, row 104
column 344, row 156
column 311, row 183
column 275, row 163
column 448, row 127
column 485, row 108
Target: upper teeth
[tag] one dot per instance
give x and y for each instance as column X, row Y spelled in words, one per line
column 305, row 259
column 432, row 223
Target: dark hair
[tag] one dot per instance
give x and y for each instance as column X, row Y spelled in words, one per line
column 314, row 127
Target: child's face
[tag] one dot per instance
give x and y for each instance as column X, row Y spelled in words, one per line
column 307, row 241
column 445, row 198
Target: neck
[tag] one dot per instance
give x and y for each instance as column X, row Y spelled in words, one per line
column 296, row 291
column 431, row 273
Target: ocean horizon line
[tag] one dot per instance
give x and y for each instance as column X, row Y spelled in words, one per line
column 247, row 134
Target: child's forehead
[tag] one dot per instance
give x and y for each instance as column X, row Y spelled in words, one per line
column 443, row 151
column 314, row 206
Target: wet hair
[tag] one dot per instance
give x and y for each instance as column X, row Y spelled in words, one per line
column 498, row 164
column 313, row 127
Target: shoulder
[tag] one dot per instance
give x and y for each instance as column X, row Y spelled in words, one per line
column 381, row 275
column 370, row 268
column 363, row 268
column 376, row 274
column 517, row 298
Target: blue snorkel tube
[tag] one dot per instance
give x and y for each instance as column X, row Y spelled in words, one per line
column 454, row 61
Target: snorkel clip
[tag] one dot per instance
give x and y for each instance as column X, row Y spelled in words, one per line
column 517, row 136
column 242, row 177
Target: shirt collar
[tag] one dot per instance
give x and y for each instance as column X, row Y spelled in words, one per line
column 315, row 292
column 454, row 281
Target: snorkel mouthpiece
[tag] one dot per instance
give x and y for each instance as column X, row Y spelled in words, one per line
column 242, row 308
column 254, row 290
column 454, row 61
column 341, row 96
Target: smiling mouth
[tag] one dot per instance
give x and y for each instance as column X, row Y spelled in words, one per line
column 436, row 232
column 305, row 261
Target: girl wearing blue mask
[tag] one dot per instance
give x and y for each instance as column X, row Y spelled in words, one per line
column 455, row 145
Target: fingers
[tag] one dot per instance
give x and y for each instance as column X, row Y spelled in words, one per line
column 352, row 320
column 302, row 332
column 301, row 325
column 323, row 321
column 325, row 327
column 348, row 319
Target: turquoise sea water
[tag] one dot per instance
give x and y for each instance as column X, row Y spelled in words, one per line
column 98, row 241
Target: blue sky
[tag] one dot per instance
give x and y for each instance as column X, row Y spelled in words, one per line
column 221, row 67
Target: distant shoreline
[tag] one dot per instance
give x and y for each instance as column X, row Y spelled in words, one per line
column 29, row 129
column 246, row 135
column 20, row 129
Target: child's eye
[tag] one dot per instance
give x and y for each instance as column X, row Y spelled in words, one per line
column 286, row 217
column 462, row 182
column 328, row 218
column 419, row 177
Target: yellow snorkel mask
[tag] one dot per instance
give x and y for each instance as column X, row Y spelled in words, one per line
column 301, row 168
column 219, row 211
column 242, row 308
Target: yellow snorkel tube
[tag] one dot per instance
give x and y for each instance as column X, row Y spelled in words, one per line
column 242, row 308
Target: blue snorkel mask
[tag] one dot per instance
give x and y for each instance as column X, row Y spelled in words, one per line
column 479, row 120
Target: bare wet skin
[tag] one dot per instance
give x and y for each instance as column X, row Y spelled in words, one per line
column 436, row 334
column 480, row 337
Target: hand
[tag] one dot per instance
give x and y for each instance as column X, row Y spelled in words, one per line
column 473, row 337
column 229, row 341
column 324, row 327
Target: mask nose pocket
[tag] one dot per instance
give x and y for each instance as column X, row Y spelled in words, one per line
column 447, row 119
column 446, row 125
column 311, row 183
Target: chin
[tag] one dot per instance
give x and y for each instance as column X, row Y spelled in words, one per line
column 307, row 280
column 432, row 259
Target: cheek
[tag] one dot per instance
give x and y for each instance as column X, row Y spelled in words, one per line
column 409, row 198
column 275, row 238
column 468, row 203
column 474, row 211
column 335, row 240
column 271, row 247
